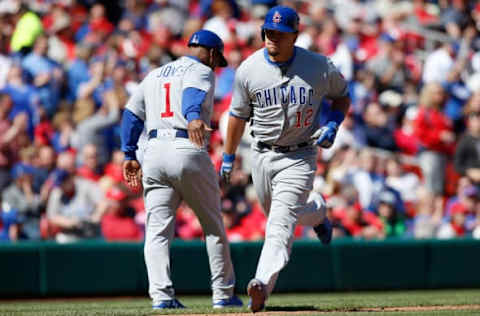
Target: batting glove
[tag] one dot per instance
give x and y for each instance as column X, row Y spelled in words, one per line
column 325, row 136
column 227, row 166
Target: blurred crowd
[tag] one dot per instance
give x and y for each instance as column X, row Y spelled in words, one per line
column 406, row 161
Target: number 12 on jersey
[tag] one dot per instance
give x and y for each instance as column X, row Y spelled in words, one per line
column 307, row 118
column 168, row 112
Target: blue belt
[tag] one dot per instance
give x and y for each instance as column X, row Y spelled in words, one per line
column 182, row 133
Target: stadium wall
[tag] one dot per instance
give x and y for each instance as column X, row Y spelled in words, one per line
column 97, row 268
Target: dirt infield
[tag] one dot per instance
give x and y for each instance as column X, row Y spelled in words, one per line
column 363, row 309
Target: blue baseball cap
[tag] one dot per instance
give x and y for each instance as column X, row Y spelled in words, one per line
column 281, row 18
column 208, row 39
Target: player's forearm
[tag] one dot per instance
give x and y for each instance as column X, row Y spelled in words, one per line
column 132, row 127
column 236, row 127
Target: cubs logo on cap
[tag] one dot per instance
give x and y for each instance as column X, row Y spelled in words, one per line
column 281, row 18
column 208, row 39
column 194, row 39
column 277, row 18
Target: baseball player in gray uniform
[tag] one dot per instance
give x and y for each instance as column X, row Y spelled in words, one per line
column 175, row 104
column 280, row 90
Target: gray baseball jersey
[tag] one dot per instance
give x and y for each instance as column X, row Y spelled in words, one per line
column 158, row 99
column 283, row 102
column 174, row 169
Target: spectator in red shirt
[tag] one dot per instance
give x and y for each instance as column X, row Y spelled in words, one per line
column 44, row 130
column 97, row 27
column 422, row 14
column 404, row 135
column 358, row 223
column 370, row 29
column 435, row 133
column 118, row 222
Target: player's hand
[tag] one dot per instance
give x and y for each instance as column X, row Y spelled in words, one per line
column 132, row 173
column 197, row 130
column 227, row 166
column 325, row 136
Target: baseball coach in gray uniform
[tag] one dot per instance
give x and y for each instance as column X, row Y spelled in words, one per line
column 279, row 89
column 175, row 104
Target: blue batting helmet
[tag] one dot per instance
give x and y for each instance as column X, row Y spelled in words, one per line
column 208, row 39
column 281, row 18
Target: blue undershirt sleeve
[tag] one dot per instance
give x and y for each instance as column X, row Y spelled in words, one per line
column 192, row 100
column 131, row 129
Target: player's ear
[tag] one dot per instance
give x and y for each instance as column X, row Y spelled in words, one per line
column 212, row 59
column 216, row 59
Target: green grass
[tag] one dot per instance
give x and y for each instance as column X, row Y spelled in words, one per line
column 351, row 304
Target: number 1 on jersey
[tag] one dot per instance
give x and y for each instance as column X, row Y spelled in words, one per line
column 168, row 112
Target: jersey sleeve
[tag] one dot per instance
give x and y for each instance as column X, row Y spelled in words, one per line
column 240, row 106
column 131, row 129
column 136, row 103
column 336, row 82
column 199, row 77
column 192, row 100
